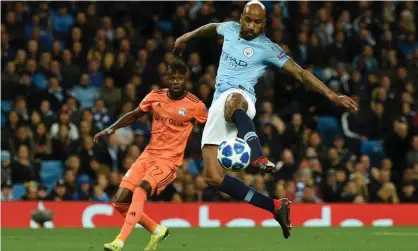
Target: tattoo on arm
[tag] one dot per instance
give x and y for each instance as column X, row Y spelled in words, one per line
column 203, row 31
column 307, row 78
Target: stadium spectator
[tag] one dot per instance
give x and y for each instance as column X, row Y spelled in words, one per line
column 49, row 117
column 83, row 190
column 114, row 181
column 42, row 192
column 412, row 155
column 59, row 193
column 7, row 191
column 42, row 142
column 31, row 191
column 69, row 181
column 408, row 193
column 111, row 95
column 9, row 76
column 99, row 195
column 54, row 94
column 366, row 60
column 62, row 143
column 56, row 50
column 62, row 21
column 387, row 194
column 64, row 119
column 70, row 71
column 85, row 93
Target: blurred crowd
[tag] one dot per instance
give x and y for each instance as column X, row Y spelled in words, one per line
column 70, row 69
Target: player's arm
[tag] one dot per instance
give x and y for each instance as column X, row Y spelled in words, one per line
column 305, row 77
column 203, row 31
column 201, row 113
column 127, row 119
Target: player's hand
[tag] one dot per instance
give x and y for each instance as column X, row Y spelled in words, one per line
column 344, row 101
column 180, row 44
column 105, row 132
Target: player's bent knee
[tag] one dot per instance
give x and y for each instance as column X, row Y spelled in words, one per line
column 213, row 172
column 122, row 208
column 123, row 195
column 233, row 102
column 147, row 187
column 117, row 200
column 214, row 180
column 214, row 175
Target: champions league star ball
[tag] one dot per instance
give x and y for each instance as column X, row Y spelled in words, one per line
column 234, row 155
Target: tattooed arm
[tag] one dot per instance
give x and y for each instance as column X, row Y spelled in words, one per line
column 203, row 31
column 307, row 78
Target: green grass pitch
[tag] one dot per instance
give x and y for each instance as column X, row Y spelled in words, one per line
column 217, row 239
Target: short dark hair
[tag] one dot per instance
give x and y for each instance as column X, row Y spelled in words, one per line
column 177, row 66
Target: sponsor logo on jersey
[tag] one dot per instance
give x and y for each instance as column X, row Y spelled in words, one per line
column 170, row 121
column 232, row 61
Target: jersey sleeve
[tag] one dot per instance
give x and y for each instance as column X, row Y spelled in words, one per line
column 146, row 103
column 223, row 28
column 276, row 55
column 201, row 113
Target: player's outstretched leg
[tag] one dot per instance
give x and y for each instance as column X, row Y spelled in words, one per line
column 236, row 111
column 215, row 176
column 133, row 215
column 122, row 201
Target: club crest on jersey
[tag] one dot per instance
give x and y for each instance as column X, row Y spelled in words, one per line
column 182, row 112
column 248, row 52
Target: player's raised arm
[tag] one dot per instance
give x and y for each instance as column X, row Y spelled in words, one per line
column 127, row 119
column 203, row 31
column 305, row 77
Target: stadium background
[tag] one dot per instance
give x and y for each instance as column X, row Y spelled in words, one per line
column 69, row 69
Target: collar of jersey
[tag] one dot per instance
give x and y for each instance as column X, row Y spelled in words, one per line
column 255, row 39
column 185, row 94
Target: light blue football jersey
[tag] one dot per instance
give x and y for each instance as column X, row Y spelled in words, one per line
column 242, row 62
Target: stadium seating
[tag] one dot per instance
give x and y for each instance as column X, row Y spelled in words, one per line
column 328, row 127
column 3, row 120
column 51, row 171
column 18, row 190
column 6, row 105
column 5, row 156
column 373, row 149
column 371, row 146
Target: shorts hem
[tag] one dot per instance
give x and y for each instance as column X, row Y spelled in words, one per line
column 128, row 185
column 210, row 143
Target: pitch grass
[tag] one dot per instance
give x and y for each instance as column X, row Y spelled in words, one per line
column 220, row 239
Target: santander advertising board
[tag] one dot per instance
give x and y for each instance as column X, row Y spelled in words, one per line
column 93, row 215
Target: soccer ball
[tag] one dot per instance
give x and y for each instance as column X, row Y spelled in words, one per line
column 234, row 155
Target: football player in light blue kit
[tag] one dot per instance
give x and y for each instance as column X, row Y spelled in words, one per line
column 246, row 53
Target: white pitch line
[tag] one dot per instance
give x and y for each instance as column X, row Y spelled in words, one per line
column 395, row 233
